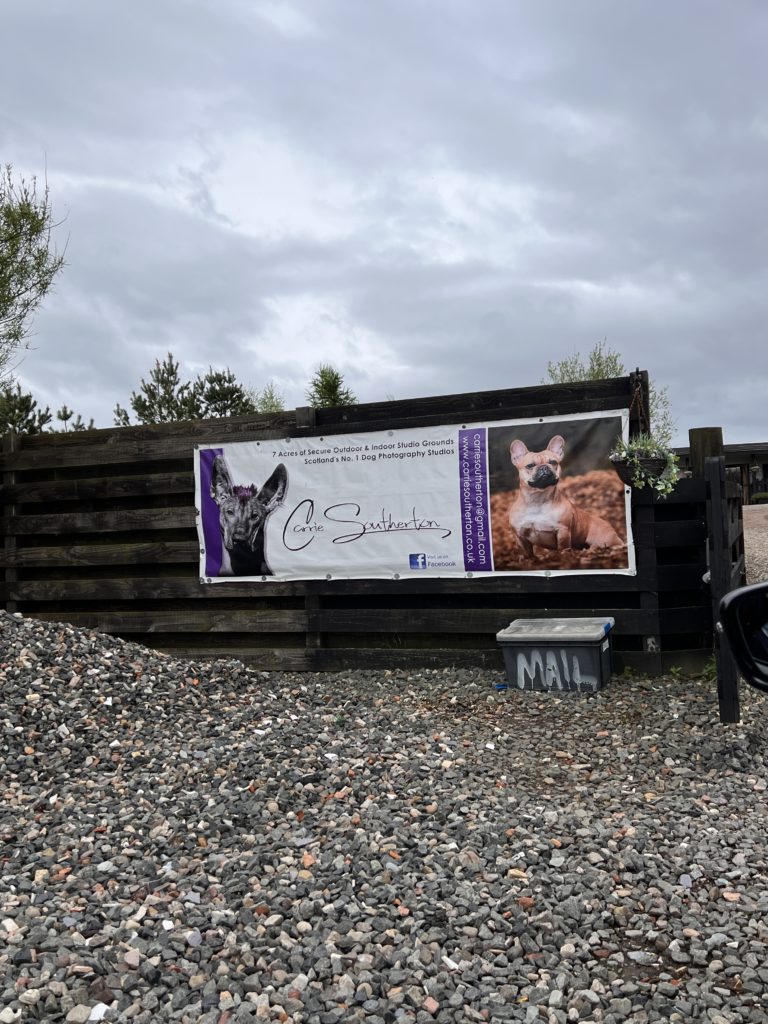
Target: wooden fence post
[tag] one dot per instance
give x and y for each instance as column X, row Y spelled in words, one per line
column 306, row 417
column 718, row 521
column 705, row 442
column 10, row 445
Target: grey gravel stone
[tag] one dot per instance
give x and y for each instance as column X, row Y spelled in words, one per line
column 78, row 1014
column 205, row 840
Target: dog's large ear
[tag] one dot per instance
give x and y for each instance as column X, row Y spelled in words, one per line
column 557, row 446
column 221, row 481
column 272, row 493
column 517, row 450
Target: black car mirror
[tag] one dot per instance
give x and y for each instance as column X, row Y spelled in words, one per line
column 744, row 620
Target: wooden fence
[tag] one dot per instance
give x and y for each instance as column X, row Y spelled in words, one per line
column 99, row 531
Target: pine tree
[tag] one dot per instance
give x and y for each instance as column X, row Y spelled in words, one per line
column 19, row 412
column 327, row 390
column 218, row 394
column 269, row 399
column 166, row 398
column 65, row 414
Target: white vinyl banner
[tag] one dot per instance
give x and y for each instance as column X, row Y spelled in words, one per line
column 534, row 496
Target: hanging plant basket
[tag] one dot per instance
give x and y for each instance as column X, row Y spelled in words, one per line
column 643, row 461
column 651, row 467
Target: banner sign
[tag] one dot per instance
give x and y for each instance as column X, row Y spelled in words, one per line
column 535, row 496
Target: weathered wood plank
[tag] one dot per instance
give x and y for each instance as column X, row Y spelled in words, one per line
column 690, row 661
column 677, row 533
column 197, row 430
column 182, row 621
column 173, row 441
column 594, row 583
column 102, row 554
column 671, row 577
column 156, row 588
column 455, row 417
column 681, row 577
column 108, row 487
column 735, row 531
column 687, row 490
column 99, row 522
column 323, row 659
column 545, row 399
column 388, row 627
column 618, row 589
column 490, row 620
column 153, row 443
column 124, row 449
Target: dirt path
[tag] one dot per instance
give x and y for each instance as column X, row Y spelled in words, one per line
column 756, row 542
column 756, row 517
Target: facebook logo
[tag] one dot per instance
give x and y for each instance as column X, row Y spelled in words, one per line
column 418, row 561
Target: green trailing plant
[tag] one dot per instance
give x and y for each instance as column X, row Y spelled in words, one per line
column 650, row 462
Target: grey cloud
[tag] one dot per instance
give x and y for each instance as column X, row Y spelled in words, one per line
column 637, row 137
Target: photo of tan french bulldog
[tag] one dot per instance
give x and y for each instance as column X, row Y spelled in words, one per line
column 541, row 515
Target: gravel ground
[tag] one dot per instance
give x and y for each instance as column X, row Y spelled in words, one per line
column 756, row 542
column 209, row 844
column 214, row 845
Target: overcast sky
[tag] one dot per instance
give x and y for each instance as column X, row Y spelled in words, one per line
column 437, row 196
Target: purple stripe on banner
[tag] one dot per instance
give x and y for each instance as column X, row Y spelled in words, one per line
column 473, row 493
column 210, row 512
